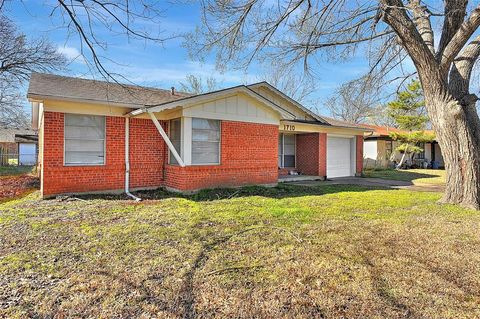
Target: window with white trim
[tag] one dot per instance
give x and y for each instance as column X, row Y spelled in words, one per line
column 286, row 150
column 176, row 139
column 205, row 141
column 84, row 139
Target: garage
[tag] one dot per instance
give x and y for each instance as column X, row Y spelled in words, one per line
column 340, row 151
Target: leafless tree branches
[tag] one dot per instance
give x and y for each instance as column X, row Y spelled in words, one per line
column 356, row 101
column 95, row 22
column 197, row 85
column 18, row 58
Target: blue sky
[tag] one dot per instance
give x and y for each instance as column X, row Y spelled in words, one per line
column 161, row 65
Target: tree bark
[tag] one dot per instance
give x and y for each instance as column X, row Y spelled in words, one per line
column 456, row 130
column 450, row 106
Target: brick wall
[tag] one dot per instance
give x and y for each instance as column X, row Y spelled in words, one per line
column 249, row 155
column 147, row 153
column 311, row 154
column 359, row 155
column 58, row 178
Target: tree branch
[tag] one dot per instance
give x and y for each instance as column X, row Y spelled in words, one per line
column 396, row 16
column 422, row 20
column 461, row 71
column 465, row 31
column 455, row 12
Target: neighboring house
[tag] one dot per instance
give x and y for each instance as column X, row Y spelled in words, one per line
column 96, row 136
column 18, row 146
column 379, row 150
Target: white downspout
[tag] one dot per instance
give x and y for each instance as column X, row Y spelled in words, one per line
column 127, row 161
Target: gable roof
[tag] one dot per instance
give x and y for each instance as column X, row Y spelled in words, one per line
column 285, row 96
column 84, row 90
column 147, row 99
column 209, row 95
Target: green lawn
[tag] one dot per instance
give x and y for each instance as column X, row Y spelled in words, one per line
column 15, row 170
column 285, row 252
column 417, row 176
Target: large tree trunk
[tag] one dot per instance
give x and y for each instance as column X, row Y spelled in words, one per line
column 456, row 127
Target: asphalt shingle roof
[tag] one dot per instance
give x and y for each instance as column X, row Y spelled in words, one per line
column 56, row 86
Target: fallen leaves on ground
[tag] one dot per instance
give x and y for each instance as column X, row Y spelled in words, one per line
column 14, row 186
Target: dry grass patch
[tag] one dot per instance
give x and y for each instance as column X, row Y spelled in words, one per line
column 338, row 251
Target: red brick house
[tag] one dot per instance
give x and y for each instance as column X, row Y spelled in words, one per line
column 96, row 136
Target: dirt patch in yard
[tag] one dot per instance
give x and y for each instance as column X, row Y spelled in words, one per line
column 14, row 186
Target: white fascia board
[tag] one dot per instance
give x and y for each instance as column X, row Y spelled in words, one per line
column 328, row 126
column 38, row 97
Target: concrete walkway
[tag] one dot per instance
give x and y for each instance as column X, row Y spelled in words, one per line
column 373, row 182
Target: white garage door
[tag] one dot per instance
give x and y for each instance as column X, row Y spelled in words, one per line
column 27, row 153
column 339, row 156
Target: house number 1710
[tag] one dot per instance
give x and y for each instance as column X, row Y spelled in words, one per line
column 287, row 127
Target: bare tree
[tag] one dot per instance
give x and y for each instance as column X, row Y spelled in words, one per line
column 391, row 32
column 197, row 85
column 94, row 22
column 12, row 113
column 18, row 58
column 355, row 101
column 298, row 86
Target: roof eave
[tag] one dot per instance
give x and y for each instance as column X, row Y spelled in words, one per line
column 32, row 97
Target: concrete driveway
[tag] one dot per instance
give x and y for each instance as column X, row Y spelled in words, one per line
column 373, row 182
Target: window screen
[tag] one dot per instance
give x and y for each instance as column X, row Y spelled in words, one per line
column 286, row 150
column 176, row 138
column 205, row 141
column 280, row 150
column 84, row 139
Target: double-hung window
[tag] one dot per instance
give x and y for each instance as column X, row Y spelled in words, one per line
column 204, row 144
column 205, row 141
column 84, row 139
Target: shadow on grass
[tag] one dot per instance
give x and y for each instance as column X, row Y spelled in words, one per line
column 400, row 175
column 280, row 191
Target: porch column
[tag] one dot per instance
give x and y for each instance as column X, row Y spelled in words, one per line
column 311, row 154
column 359, row 155
column 322, row 155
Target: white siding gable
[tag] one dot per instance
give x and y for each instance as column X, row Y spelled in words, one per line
column 239, row 107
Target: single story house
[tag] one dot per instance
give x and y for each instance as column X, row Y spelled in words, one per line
column 96, row 136
column 18, row 146
column 379, row 150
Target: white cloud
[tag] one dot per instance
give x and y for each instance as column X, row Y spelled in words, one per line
column 70, row 53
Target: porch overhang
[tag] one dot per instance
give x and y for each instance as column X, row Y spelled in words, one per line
column 302, row 126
